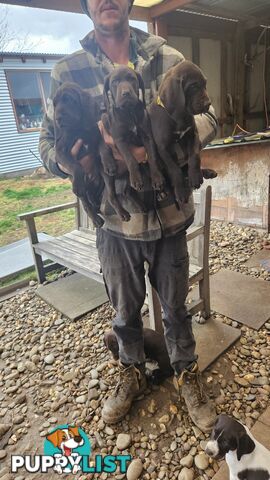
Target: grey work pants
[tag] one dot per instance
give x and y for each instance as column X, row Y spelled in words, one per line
column 122, row 263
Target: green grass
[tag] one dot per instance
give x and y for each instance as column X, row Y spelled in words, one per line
column 29, row 274
column 33, row 192
column 23, row 194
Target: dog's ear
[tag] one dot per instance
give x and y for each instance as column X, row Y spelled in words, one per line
column 107, row 93
column 245, row 445
column 141, row 88
column 181, row 97
column 75, row 431
column 54, row 438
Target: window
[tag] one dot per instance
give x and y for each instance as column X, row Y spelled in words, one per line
column 29, row 91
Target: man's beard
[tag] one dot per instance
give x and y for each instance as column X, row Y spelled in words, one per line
column 117, row 28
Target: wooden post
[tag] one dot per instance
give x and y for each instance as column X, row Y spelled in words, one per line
column 161, row 28
column 240, row 70
column 78, row 215
column 204, row 285
column 32, row 232
column 268, row 227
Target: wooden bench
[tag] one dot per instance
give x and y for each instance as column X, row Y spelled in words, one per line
column 77, row 250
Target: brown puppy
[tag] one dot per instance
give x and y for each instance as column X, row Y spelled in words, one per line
column 75, row 116
column 128, row 123
column 182, row 95
column 155, row 349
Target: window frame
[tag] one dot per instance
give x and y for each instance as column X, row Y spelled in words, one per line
column 41, row 91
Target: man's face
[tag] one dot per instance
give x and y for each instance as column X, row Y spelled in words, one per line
column 109, row 16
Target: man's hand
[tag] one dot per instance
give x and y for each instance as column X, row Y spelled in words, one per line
column 87, row 162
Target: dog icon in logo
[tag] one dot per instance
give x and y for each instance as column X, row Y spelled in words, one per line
column 66, row 440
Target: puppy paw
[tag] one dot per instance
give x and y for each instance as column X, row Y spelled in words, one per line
column 200, row 319
column 195, row 179
column 209, row 173
column 136, row 181
column 124, row 215
column 157, row 181
column 110, row 169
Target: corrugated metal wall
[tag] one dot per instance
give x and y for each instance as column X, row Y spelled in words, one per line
column 14, row 146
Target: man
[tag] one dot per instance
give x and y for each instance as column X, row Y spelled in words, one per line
column 158, row 236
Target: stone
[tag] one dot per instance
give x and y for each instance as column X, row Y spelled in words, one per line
column 187, row 461
column 4, row 428
column 3, row 454
column 186, row 474
column 81, row 399
column 93, row 383
column 21, row 367
column 49, row 359
column 93, row 393
column 123, row 441
column 260, row 381
column 135, row 469
column 241, row 381
column 69, row 376
column 18, row 419
column 201, row 461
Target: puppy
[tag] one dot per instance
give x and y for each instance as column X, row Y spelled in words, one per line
column 247, row 459
column 75, row 116
column 155, row 349
column 182, row 95
column 127, row 121
column 66, row 439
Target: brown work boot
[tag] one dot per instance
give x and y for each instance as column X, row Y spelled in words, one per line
column 200, row 408
column 132, row 383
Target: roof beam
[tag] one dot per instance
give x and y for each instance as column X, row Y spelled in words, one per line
column 250, row 21
column 168, row 6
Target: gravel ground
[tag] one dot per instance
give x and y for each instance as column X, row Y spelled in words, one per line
column 53, row 371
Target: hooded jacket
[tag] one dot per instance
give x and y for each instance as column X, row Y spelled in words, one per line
column 88, row 67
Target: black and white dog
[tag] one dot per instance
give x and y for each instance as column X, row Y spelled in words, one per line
column 246, row 458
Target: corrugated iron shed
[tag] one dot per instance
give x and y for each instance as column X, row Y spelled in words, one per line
column 15, row 154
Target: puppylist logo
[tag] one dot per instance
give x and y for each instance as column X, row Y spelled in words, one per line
column 67, row 449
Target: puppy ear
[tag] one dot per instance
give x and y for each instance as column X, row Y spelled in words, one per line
column 74, row 430
column 107, row 93
column 245, row 445
column 141, row 87
column 181, row 98
column 53, row 438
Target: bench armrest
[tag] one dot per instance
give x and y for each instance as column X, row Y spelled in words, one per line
column 45, row 211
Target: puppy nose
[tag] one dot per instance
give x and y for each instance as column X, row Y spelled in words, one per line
column 209, row 452
column 207, row 104
column 125, row 93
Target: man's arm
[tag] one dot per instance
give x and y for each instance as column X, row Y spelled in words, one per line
column 207, row 126
column 47, row 136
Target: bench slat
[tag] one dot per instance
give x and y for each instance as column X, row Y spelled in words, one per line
column 80, row 239
column 64, row 249
column 67, row 256
column 76, row 246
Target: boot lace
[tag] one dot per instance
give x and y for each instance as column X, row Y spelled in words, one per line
column 125, row 379
column 196, row 388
